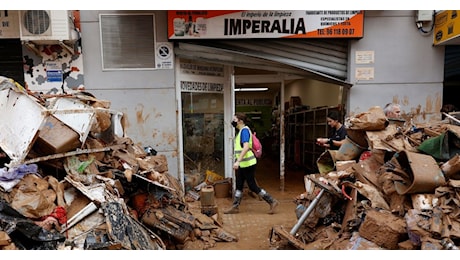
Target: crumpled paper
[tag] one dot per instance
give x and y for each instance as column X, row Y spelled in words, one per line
column 372, row 120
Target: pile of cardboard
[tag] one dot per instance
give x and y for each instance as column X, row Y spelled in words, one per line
column 71, row 179
column 401, row 192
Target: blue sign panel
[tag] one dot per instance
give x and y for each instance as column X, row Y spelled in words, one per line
column 54, row 75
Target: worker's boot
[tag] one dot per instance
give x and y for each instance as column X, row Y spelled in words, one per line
column 270, row 200
column 236, row 203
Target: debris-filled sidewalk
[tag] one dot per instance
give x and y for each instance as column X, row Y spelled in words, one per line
column 391, row 185
column 70, row 179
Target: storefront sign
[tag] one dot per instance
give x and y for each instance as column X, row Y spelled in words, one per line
column 201, row 69
column 220, row 24
column 253, row 102
column 192, row 86
column 447, row 28
column 9, row 26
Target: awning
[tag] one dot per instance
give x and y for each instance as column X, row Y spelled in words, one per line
column 319, row 60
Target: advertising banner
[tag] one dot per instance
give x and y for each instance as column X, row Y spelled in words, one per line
column 447, row 28
column 223, row 24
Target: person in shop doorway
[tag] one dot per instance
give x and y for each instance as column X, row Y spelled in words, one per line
column 392, row 110
column 337, row 135
column 245, row 166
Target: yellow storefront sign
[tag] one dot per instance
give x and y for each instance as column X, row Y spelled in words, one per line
column 447, row 28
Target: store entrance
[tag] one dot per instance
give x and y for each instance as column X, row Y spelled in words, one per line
column 258, row 93
column 261, row 103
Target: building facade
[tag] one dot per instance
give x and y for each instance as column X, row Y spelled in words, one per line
column 194, row 79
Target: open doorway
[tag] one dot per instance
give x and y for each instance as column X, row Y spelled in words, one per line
column 451, row 76
column 260, row 102
column 288, row 114
column 258, row 94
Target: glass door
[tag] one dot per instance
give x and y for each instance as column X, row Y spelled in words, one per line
column 203, row 133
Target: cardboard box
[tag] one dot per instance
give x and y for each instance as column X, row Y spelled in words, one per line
column 56, row 137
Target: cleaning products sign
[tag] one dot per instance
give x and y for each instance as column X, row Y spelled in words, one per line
column 220, row 24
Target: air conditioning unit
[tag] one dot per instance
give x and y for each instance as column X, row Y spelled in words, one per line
column 47, row 26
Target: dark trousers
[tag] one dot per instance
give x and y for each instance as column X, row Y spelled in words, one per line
column 247, row 174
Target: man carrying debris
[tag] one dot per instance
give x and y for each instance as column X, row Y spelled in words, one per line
column 392, row 110
column 245, row 166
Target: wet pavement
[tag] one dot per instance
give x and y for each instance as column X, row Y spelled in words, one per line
column 253, row 225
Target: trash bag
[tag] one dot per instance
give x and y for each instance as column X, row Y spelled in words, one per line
column 442, row 147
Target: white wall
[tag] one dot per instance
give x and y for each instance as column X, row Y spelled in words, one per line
column 408, row 68
column 313, row 93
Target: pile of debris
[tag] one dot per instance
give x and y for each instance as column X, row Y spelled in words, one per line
column 71, row 179
column 392, row 185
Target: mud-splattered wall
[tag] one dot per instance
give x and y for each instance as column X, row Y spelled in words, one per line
column 147, row 98
column 407, row 69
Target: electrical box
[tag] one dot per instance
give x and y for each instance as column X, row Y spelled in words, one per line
column 424, row 15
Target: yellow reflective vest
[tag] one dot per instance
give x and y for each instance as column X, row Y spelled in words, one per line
column 249, row 159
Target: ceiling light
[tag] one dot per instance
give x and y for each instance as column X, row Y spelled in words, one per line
column 251, row 89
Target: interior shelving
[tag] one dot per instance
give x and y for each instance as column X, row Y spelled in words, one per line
column 302, row 129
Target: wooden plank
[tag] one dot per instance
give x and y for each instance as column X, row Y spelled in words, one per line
column 280, row 231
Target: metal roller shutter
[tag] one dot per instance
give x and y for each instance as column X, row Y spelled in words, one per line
column 320, row 59
column 11, row 64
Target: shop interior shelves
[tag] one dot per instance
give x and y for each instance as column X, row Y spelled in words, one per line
column 302, row 129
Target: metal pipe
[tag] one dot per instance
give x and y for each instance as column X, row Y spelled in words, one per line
column 451, row 117
column 306, row 212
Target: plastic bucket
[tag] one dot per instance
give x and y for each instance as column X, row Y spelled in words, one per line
column 358, row 137
column 326, row 161
column 349, row 150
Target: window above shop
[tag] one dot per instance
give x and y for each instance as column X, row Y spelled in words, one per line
column 128, row 41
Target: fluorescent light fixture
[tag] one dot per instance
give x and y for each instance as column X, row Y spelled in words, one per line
column 251, row 89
